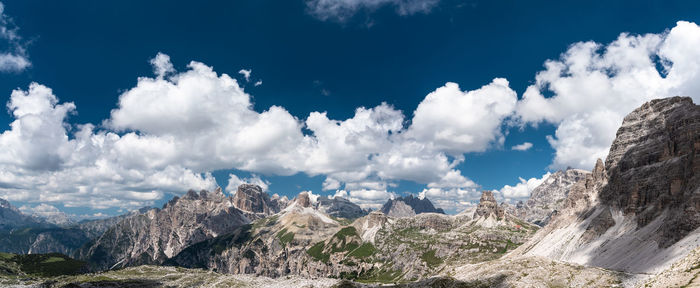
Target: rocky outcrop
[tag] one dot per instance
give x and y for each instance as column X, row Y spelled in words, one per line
column 158, row 234
column 488, row 206
column 408, row 206
column 339, row 207
column 273, row 246
column 638, row 211
column 548, row 198
column 253, row 201
column 303, row 200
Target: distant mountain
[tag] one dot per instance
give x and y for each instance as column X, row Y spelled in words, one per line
column 11, row 217
column 409, row 206
column 303, row 240
column 157, row 234
column 255, row 203
column 273, row 246
column 639, row 211
column 21, row 233
column 548, row 198
column 339, row 207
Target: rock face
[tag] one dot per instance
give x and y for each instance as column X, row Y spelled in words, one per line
column 253, row 201
column 158, row 234
column 488, row 207
column 273, row 246
column 638, row 212
column 409, row 206
column 339, row 207
column 548, row 197
column 303, row 200
column 305, row 241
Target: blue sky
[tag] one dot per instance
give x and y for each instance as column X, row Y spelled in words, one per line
column 313, row 58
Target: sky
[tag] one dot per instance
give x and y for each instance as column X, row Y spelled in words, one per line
column 116, row 105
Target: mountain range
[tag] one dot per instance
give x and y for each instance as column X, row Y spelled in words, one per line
column 633, row 220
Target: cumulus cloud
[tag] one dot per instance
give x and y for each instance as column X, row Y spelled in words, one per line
column 594, row 86
column 234, row 182
column 343, row 10
column 523, row 189
column 522, row 147
column 162, row 65
column 15, row 59
column 169, row 131
column 452, row 200
column 40, row 163
column 366, row 198
column 459, row 121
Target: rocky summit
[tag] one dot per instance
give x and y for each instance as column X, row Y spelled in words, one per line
column 547, row 198
column 339, row 207
column 488, row 207
column 639, row 210
column 408, row 206
column 158, row 234
column 255, row 203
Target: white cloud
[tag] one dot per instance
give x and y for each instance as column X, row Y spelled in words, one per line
column 459, row 121
column 522, row 147
column 168, row 132
column 245, row 73
column 234, row 182
column 258, row 83
column 162, row 65
column 313, row 197
column 15, row 59
column 594, row 86
column 523, row 189
column 343, row 10
column 452, row 200
column 366, row 198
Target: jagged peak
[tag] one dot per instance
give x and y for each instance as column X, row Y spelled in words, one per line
column 488, row 206
column 303, row 199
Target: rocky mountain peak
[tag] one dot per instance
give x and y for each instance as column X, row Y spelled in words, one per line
column 488, row 206
column 303, row 200
column 548, row 198
column 5, row 204
column 251, row 198
column 639, row 210
column 408, row 206
column 339, row 207
column 157, row 234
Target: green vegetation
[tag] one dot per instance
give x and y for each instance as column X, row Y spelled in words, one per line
column 342, row 221
column 364, row 251
column 346, row 231
column 53, row 264
column 265, row 222
column 285, row 237
column 429, row 258
column 342, row 240
column 382, row 275
column 316, row 252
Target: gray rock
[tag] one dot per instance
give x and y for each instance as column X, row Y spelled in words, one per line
column 408, row 206
column 339, row 207
column 639, row 211
column 548, row 198
column 253, row 201
column 157, row 234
